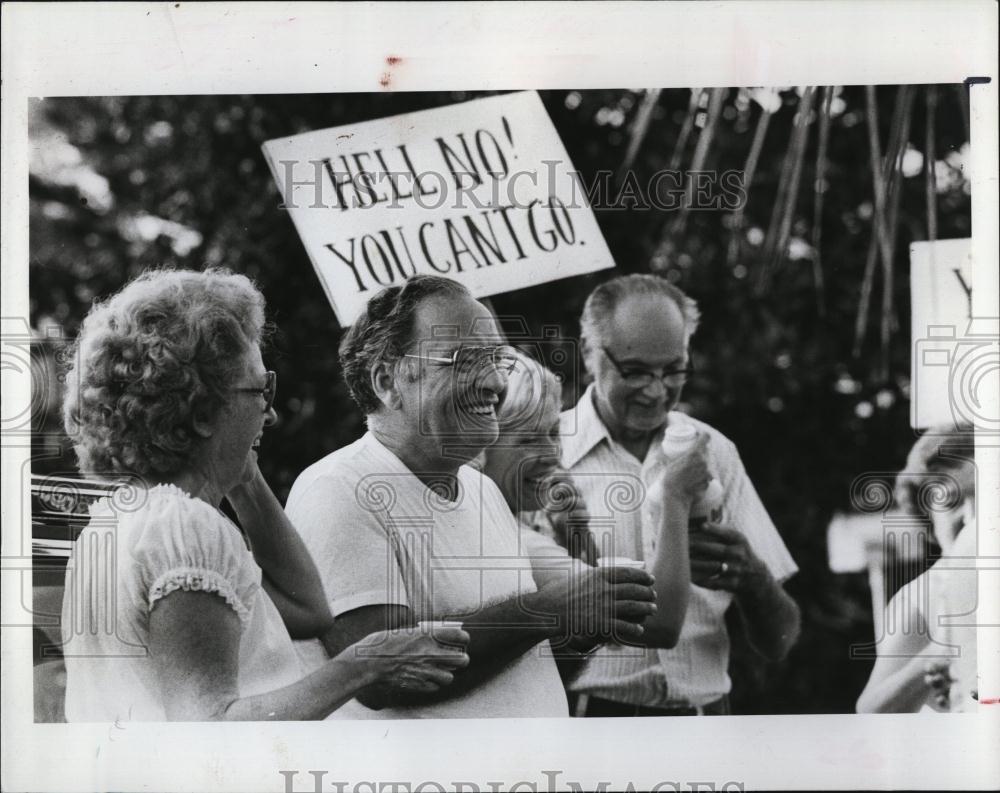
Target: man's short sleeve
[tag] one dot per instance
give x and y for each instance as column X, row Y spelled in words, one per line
column 348, row 541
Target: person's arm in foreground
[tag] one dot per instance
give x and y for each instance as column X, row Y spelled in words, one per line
column 670, row 569
column 683, row 481
column 771, row 616
column 503, row 631
column 290, row 575
column 195, row 640
column 909, row 671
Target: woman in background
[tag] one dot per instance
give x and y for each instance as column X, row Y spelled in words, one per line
column 927, row 657
column 524, row 462
column 167, row 614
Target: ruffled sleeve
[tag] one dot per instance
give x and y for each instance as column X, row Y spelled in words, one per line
column 187, row 544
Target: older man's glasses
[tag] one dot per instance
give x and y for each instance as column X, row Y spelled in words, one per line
column 268, row 391
column 635, row 377
column 471, row 360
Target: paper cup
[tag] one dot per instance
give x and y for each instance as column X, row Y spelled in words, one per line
column 431, row 625
column 619, row 561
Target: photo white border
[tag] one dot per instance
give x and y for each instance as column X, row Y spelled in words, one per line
column 184, row 48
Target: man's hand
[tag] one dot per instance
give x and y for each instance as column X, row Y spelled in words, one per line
column 597, row 606
column 721, row 558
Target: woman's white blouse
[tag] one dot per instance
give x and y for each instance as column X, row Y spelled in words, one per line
column 130, row 556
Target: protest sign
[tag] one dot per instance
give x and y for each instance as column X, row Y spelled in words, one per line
column 955, row 360
column 482, row 192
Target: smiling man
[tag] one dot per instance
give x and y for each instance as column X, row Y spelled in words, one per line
column 635, row 331
column 403, row 531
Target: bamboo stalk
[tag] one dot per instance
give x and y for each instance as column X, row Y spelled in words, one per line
column 791, row 199
column 865, row 297
column 749, row 169
column 781, row 218
column 875, row 162
column 905, row 103
column 930, row 188
column 717, row 97
column 779, row 200
column 819, row 191
column 878, row 181
column 686, row 127
column 887, row 179
column 640, row 127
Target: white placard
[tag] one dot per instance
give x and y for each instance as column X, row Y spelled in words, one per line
column 953, row 351
column 482, row 192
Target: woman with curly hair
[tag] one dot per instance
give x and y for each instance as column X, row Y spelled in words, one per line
column 167, row 614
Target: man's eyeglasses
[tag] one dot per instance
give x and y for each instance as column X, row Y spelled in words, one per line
column 468, row 360
column 268, row 391
column 640, row 378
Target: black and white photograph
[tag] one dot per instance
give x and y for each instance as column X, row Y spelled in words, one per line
column 521, row 406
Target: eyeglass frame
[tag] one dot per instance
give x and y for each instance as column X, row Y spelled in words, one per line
column 648, row 377
column 269, row 391
column 453, row 359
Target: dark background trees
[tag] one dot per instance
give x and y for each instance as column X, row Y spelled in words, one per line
column 121, row 184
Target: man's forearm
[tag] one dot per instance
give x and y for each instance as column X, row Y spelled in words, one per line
column 498, row 634
column 771, row 616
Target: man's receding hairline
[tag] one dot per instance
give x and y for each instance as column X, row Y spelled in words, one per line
column 609, row 319
column 482, row 312
column 648, row 297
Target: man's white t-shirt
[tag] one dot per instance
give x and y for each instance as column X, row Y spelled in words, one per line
column 379, row 536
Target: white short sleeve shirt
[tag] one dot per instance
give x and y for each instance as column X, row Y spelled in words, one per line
column 695, row 671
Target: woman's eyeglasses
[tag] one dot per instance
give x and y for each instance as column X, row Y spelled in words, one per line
column 268, row 391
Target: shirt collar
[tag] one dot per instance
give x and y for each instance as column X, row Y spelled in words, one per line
column 578, row 441
column 386, row 456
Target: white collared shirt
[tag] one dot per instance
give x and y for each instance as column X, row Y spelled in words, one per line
column 695, row 672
